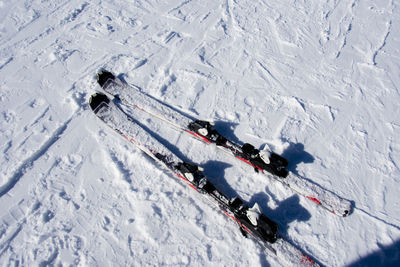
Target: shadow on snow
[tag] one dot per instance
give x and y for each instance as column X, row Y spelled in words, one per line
column 384, row 256
column 296, row 154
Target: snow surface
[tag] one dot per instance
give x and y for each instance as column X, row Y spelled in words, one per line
column 317, row 80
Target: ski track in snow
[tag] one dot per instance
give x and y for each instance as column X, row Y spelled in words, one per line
column 318, row 81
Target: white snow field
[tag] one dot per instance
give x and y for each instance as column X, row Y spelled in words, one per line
column 316, row 80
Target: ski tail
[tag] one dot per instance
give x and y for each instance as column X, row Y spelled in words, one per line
column 103, row 77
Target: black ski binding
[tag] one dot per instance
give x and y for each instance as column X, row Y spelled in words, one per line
column 205, row 128
column 277, row 164
column 236, row 204
column 264, row 229
column 194, row 175
column 267, row 229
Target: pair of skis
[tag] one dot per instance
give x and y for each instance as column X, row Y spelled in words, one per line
column 266, row 162
column 250, row 220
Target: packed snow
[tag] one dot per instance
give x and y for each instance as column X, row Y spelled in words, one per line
column 316, row 80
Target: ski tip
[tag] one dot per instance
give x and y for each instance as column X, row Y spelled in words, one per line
column 97, row 99
column 103, row 76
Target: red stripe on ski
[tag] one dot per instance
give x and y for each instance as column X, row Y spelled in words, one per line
column 131, row 140
column 182, row 177
column 188, row 182
column 236, row 220
column 192, row 186
column 199, row 136
column 314, row 200
column 307, row 260
column 227, row 214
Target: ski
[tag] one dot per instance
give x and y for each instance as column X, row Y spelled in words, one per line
column 264, row 161
column 251, row 221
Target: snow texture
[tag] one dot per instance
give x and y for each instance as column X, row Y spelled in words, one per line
column 317, row 81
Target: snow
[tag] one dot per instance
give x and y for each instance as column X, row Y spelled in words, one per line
column 317, row 81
